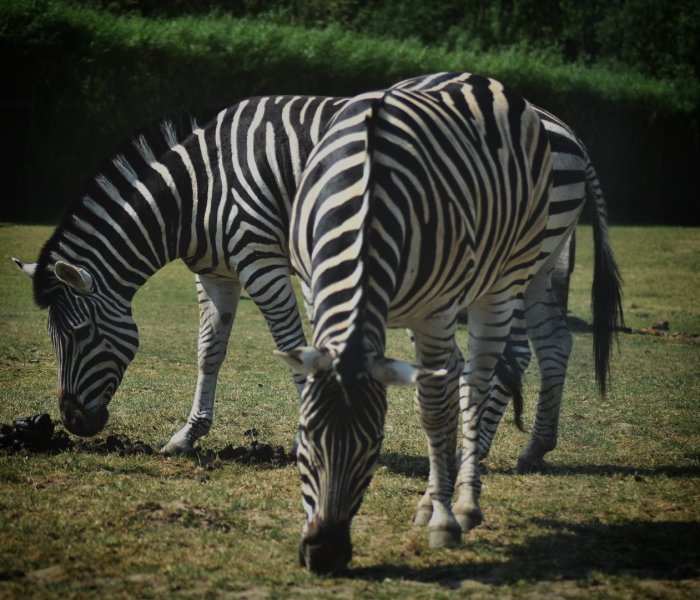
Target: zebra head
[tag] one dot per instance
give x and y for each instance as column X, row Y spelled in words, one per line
column 341, row 429
column 95, row 339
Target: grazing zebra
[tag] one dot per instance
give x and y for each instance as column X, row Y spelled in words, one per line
column 165, row 177
column 546, row 299
column 413, row 205
column 220, row 200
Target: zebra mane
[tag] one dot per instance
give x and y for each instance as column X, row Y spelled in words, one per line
column 133, row 154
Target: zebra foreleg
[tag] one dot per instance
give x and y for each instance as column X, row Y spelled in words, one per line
column 270, row 287
column 218, row 301
column 425, row 504
column 438, row 411
column 553, row 342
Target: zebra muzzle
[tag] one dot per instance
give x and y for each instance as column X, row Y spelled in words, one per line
column 79, row 421
column 326, row 549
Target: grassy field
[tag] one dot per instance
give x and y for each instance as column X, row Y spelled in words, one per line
column 616, row 516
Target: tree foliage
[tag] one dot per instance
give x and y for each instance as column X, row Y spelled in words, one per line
column 660, row 39
column 84, row 78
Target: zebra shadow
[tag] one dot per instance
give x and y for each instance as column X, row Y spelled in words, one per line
column 418, row 466
column 662, row 551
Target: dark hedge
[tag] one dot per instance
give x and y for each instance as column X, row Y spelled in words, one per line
column 76, row 81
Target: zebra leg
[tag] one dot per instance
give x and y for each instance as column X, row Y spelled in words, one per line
column 507, row 378
column 552, row 341
column 454, row 368
column 218, row 301
column 437, row 408
column 271, row 290
column 489, row 329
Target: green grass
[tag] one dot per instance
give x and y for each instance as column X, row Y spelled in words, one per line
column 618, row 515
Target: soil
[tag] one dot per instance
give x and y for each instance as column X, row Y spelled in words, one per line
column 37, row 434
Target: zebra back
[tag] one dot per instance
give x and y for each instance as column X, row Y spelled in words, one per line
column 323, row 231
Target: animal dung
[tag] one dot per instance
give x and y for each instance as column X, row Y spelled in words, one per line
column 34, row 433
column 113, row 444
column 37, row 434
column 255, row 453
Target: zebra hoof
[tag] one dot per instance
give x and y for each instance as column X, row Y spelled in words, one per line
column 444, row 538
column 423, row 517
column 525, row 466
column 470, row 519
column 176, row 448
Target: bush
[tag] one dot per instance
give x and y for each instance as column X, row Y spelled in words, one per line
column 84, row 79
column 655, row 38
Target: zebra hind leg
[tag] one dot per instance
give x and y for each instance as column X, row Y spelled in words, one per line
column 553, row 342
column 218, row 301
column 506, row 385
column 272, row 291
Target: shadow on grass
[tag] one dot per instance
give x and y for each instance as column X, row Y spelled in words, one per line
column 417, row 466
column 665, row 550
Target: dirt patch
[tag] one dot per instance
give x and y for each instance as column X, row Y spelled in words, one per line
column 37, row 434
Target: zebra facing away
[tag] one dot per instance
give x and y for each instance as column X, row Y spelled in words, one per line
column 128, row 222
column 413, row 205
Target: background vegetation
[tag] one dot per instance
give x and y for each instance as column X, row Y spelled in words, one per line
column 80, row 76
column 617, row 515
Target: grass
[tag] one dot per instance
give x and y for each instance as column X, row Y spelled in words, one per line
column 618, row 515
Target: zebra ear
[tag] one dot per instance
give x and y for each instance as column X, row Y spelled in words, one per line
column 76, row 277
column 27, row 268
column 306, row 360
column 399, row 372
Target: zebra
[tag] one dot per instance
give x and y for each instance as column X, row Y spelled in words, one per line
column 154, row 171
column 575, row 181
column 219, row 199
column 414, row 204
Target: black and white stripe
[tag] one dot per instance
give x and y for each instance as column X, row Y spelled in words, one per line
column 545, row 310
column 574, row 182
column 134, row 209
column 413, row 205
column 219, row 199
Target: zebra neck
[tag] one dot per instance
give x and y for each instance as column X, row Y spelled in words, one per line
column 120, row 243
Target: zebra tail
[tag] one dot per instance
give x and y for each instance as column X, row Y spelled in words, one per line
column 353, row 352
column 510, row 377
column 606, row 294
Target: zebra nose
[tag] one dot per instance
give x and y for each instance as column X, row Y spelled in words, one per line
column 79, row 421
column 326, row 548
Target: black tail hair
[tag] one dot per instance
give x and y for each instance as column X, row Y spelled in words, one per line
column 510, row 375
column 606, row 294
